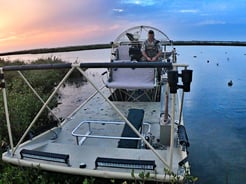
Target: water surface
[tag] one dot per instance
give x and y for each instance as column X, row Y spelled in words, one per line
column 215, row 114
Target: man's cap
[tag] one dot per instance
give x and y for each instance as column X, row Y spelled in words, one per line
column 151, row 32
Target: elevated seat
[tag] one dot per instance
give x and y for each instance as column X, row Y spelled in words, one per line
column 131, row 84
column 131, row 78
column 122, row 52
column 135, row 116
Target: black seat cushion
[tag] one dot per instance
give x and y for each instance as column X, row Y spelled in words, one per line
column 135, row 116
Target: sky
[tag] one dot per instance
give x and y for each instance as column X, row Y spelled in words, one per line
column 33, row 24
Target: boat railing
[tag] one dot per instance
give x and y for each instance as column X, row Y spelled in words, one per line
column 76, row 131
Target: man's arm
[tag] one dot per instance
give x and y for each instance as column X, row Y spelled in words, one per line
column 159, row 52
column 156, row 57
column 144, row 53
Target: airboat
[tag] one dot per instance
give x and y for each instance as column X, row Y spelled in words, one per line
column 133, row 124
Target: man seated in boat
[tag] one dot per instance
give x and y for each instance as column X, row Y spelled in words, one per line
column 151, row 48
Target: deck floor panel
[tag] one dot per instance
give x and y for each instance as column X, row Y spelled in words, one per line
column 98, row 109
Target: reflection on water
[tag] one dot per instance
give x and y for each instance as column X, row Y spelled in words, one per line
column 72, row 95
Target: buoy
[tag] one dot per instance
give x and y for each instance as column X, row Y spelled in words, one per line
column 230, row 83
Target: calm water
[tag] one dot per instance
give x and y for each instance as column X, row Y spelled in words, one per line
column 214, row 113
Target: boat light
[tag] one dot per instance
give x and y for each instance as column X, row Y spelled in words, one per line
column 40, row 155
column 125, row 163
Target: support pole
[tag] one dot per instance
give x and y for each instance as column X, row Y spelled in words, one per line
column 181, row 107
column 6, row 110
column 172, row 131
column 166, row 105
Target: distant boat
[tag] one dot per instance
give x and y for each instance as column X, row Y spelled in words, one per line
column 134, row 123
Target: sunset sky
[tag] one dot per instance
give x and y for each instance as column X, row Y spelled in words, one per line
column 52, row 23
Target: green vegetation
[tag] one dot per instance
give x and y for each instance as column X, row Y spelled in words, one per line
column 22, row 102
column 23, row 107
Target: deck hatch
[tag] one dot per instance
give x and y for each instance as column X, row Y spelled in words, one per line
column 125, row 163
column 40, row 155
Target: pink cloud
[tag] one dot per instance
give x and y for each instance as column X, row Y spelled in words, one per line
column 42, row 23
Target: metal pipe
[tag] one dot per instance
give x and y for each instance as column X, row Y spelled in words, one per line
column 209, row 43
column 181, row 107
column 104, row 136
column 90, row 65
column 172, row 129
column 162, row 100
column 107, row 137
column 166, row 104
column 37, row 67
column 58, row 49
column 5, row 101
column 127, row 65
column 109, row 45
column 172, row 132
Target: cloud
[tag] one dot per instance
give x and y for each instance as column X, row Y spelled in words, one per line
column 7, row 38
column 211, row 22
column 189, row 11
column 118, row 10
column 141, row 2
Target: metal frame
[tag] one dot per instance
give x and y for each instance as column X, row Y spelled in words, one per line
column 88, row 133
